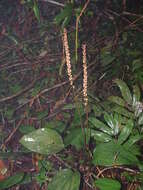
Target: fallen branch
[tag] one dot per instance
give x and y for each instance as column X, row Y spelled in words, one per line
column 54, row 2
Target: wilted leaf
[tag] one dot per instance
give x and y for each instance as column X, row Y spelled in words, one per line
column 43, row 141
column 65, row 180
column 124, row 91
column 3, row 170
column 107, row 184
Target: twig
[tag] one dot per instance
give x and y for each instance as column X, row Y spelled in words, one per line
column 54, row 2
column 54, row 87
column 117, row 167
column 125, row 19
column 63, row 162
column 88, row 184
column 11, row 134
column 19, row 93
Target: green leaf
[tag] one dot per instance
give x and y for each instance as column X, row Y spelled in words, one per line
column 132, row 140
column 112, row 153
column 24, row 129
column 105, row 154
column 65, row 180
column 36, row 10
column 126, row 157
column 65, row 15
column 12, row 180
column 138, row 108
column 100, row 136
column 43, row 141
column 122, row 111
column 124, row 91
column 136, row 94
column 117, row 100
column 125, row 132
column 100, row 125
column 140, row 120
column 106, row 57
column 76, row 137
column 57, row 125
column 107, row 184
column 97, row 110
column 15, row 88
column 113, row 122
column 42, row 114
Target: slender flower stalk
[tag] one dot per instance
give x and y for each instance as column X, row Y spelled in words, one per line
column 67, row 54
column 85, row 97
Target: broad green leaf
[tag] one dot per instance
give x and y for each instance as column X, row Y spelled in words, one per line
column 105, row 154
column 123, row 111
column 79, row 112
column 136, row 65
column 43, row 141
column 65, row 180
column 111, row 153
column 124, row 91
column 136, row 94
column 138, row 108
column 76, row 137
column 100, row 136
column 66, row 13
column 107, row 184
column 140, row 119
column 125, row 132
column 117, row 100
column 101, row 126
column 132, row 140
column 12, row 180
column 113, row 122
column 126, row 157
